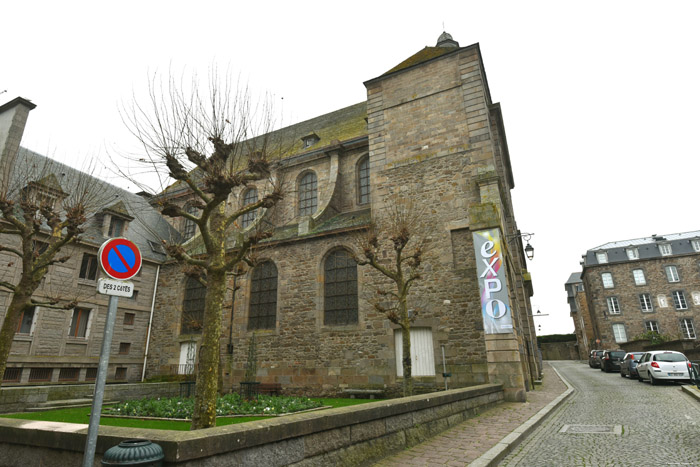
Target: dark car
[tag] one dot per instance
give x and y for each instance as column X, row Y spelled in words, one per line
column 610, row 361
column 628, row 366
column 594, row 359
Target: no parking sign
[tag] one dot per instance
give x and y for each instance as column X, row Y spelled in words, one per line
column 120, row 258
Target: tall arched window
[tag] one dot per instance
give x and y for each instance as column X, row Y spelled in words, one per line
column 262, row 313
column 308, row 194
column 193, row 307
column 340, row 289
column 190, row 227
column 251, row 196
column 363, row 181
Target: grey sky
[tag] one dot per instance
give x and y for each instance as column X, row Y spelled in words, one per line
column 600, row 99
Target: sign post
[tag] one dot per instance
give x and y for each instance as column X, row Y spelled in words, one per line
column 121, row 260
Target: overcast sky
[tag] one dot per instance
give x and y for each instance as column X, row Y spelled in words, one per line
column 600, row 99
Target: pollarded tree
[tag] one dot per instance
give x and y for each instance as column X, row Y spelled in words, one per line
column 209, row 146
column 38, row 219
column 399, row 234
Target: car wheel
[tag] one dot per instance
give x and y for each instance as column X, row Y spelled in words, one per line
column 652, row 381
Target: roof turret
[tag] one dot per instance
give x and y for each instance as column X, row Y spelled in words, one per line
column 445, row 40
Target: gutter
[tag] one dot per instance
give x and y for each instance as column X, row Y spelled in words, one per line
column 150, row 322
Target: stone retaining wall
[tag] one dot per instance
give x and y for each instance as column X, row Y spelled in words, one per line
column 20, row 398
column 344, row 436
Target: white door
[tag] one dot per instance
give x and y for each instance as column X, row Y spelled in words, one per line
column 422, row 356
column 188, row 355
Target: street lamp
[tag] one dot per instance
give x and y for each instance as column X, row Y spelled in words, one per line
column 529, row 250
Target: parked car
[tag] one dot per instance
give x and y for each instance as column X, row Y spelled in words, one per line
column 594, row 358
column 663, row 365
column 610, row 361
column 628, row 366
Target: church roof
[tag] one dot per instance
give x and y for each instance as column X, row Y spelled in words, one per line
column 428, row 53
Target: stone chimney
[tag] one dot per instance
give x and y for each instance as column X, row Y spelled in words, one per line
column 13, row 118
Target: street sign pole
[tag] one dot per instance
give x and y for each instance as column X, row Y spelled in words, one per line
column 91, row 441
column 120, row 259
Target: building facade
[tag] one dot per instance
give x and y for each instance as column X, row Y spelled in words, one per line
column 54, row 345
column 578, row 310
column 428, row 132
column 643, row 285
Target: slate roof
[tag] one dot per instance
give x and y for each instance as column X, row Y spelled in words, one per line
column 647, row 248
column 574, row 278
column 649, row 240
column 147, row 226
column 343, row 125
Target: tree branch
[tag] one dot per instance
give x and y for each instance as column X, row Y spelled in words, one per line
column 11, row 250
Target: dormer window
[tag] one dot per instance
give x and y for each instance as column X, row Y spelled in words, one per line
column 696, row 245
column 116, row 220
column 310, row 139
column 665, row 249
column 601, row 257
column 116, row 227
column 44, row 193
column 632, row 253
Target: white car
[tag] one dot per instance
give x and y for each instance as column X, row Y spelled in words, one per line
column 667, row 365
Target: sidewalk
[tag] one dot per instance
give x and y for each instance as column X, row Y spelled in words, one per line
column 481, row 439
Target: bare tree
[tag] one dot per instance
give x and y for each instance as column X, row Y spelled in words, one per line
column 38, row 219
column 400, row 234
column 212, row 145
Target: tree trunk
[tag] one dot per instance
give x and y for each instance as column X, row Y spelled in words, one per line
column 204, row 415
column 207, row 392
column 20, row 300
column 406, row 346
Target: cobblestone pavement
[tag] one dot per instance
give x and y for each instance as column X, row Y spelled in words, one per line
column 651, row 425
column 467, row 441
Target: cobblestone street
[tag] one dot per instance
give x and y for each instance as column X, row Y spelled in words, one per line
column 614, row 421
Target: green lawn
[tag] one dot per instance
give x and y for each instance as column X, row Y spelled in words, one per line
column 82, row 415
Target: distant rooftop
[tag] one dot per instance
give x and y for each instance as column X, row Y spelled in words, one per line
column 647, row 240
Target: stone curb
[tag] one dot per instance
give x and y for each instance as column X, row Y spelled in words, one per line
column 494, row 455
column 692, row 391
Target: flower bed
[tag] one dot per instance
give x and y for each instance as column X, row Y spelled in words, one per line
column 227, row 405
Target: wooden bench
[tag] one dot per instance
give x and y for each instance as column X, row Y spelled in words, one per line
column 363, row 392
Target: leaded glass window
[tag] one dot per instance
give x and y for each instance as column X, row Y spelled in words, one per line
column 263, row 297
column 308, row 194
column 190, row 227
column 193, row 307
column 340, row 289
column 363, row 181
column 250, row 197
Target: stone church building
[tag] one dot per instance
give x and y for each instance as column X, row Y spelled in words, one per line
column 429, row 132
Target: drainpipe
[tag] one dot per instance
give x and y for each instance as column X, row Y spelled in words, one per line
column 150, row 322
column 229, row 348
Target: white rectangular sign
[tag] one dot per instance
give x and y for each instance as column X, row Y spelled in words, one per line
column 115, row 287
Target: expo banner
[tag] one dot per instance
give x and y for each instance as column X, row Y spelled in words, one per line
column 495, row 306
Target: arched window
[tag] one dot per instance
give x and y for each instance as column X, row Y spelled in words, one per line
column 262, row 313
column 251, row 196
column 190, row 227
column 363, row 181
column 193, row 307
column 340, row 289
column 308, row 194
